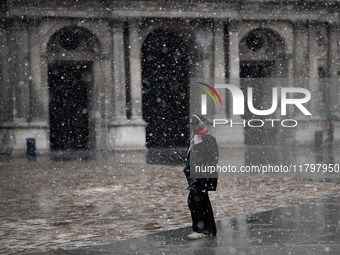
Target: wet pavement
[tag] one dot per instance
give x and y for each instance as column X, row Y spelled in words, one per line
column 122, row 203
column 312, row 228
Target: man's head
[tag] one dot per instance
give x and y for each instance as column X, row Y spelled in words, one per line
column 197, row 121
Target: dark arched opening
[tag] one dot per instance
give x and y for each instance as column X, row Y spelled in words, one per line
column 165, row 89
column 262, row 58
column 71, row 52
column 68, row 89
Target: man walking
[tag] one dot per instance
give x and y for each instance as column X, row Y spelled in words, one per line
column 202, row 152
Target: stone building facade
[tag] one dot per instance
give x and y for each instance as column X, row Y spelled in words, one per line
column 78, row 74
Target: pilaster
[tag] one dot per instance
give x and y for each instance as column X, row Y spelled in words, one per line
column 234, row 54
column 6, row 103
column 39, row 92
column 300, row 60
column 333, row 68
column 219, row 66
column 300, row 50
column 132, row 135
column 6, row 100
column 314, row 103
column 22, row 86
column 135, row 72
column 234, row 135
column 13, row 63
column 119, row 82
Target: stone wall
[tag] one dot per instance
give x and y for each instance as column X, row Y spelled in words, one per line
column 213, row 31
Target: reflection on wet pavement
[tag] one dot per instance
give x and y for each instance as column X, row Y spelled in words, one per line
column 47, row 205
column 311, row 228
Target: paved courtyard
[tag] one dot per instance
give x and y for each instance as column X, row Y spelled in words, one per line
column 48, row 205
column 311, row 228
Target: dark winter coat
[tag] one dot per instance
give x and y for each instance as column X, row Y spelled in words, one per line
column 202, row 154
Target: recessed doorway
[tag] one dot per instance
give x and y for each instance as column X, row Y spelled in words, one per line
column 69, row 84
column 165, row 89
column 253, row 75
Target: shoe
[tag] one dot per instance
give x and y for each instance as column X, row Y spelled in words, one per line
column 195, row 235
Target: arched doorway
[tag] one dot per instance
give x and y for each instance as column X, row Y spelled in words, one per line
column 165, row 89
column 262, row 58
column 69, row 104
column 71, row 52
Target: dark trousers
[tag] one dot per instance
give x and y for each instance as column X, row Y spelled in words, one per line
column 201, row 212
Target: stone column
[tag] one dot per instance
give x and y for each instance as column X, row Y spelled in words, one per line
column 107, row 98
column 6, row 100
column 286, row 136
column 204, row 39
column 5, row 95
column 300, row 50
column 14, row 77
column 305, row 131
column 13, row 64
column 300, row 59
column 98, row 113
column 39, row 93
column 133, row 135
column 39, row 96
column 118, row 118
column 135, row 72
column 207, row 54
column 219, row 66
column 333, row 68
column 234, row 54
column 22, row 91
column 315, row 102
column 119, row 75
column 235, row 133
column 290, row 62
column 221, row 132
